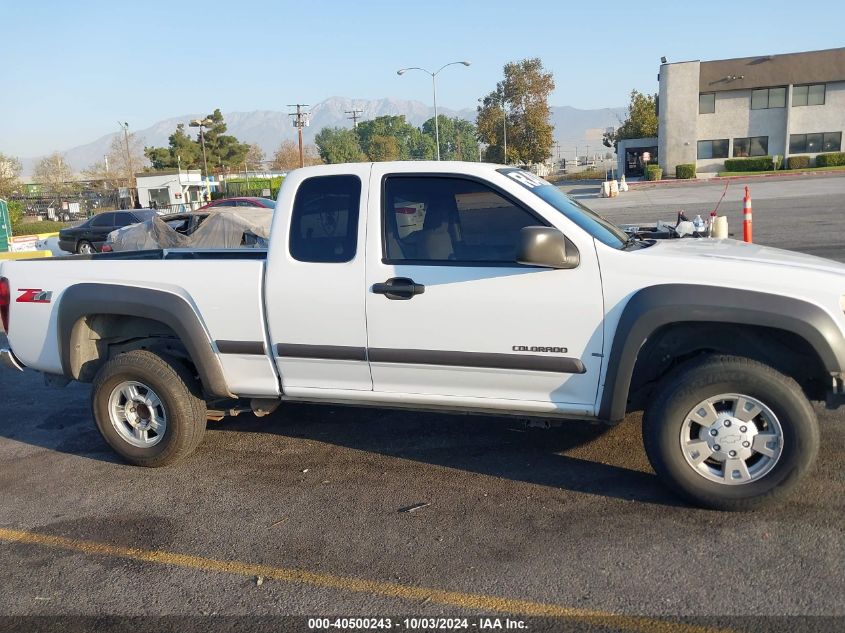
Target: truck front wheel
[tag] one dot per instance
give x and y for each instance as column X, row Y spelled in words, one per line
column 730, row 433
column 148, row 408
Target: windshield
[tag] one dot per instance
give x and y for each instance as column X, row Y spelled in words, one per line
column 600, row 228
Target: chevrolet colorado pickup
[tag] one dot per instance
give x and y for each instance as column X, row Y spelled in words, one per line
column 455, row 287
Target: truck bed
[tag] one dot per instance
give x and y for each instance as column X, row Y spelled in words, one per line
column 223, row 288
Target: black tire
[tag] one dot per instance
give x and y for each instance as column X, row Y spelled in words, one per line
column 180, row 395
column 710, row 376
column 80, row 247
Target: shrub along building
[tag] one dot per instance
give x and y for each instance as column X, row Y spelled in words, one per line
column 791, row 106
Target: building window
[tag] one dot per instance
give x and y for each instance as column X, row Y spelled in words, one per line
column 713, row 149
column 832, row 142
column 754, row 146
column 707, row 103
column 814, row 143
column 768, row 98
column 808, row 95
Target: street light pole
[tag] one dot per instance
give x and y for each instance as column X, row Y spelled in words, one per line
column 505, row 130
column 436, row 122
column 434, row 74
column 202, row 124
column 504, row 127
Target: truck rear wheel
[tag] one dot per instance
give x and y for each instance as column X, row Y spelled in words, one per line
column 730, row 433
column 148, row 408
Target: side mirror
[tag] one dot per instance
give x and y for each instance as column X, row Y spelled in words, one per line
column 547, row 247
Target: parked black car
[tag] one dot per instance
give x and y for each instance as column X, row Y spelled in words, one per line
column 89, row 236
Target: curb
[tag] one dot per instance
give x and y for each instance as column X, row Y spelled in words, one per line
column 697, row 181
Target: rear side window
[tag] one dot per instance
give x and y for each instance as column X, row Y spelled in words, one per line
column 103, row 219
column 324, row 221
column 124, row 219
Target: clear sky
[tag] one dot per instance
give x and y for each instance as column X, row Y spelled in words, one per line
column 70, row 70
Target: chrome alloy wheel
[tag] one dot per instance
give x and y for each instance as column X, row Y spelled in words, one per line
column 731, row 439
column 137, row 414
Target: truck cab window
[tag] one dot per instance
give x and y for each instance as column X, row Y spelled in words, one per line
column 437, row 219
column 324, row 220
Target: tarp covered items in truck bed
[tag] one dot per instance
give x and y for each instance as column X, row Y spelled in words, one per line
column 247, row 227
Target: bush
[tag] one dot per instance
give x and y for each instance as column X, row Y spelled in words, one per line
column 33, row 228
column 758, row 163
column 587, row 174
column 798, row 162
column 654, row 172
column 16, row 213
column 685, row 172
column 830, row 160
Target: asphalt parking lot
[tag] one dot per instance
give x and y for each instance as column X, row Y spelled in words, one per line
column 306, row 512
column 797, row 213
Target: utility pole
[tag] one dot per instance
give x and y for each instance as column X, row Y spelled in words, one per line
column 129, row 167
column 354, row 115
column 300, row 120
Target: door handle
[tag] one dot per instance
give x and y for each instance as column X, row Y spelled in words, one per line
column 398, row 288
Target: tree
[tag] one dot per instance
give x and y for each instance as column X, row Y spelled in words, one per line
column 372, row 137
column 101, row 177
column 339, row 145
column 421, row 145
column 383, row 148
column 255, row 156
column 458, row 138
column 287, row 156
column 126, row 158
column 641, row 121
column 54, row 172
column 10, row 173
column 524, row 94
column 182, row 151
column 221, row 149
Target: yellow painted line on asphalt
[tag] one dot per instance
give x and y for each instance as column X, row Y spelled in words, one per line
column 477, row 602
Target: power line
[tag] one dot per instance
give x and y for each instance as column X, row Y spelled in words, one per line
column 300, row 120
column 354, row 115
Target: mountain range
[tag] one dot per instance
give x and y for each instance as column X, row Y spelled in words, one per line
column 268, row 128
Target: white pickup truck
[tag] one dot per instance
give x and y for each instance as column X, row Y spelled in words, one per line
column 456, row 287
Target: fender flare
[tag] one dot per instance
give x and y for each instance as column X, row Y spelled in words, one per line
column 656, row 306
column 81, row 300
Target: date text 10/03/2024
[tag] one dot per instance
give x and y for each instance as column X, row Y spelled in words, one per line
column 411, row 624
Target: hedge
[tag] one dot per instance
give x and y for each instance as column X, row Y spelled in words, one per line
column 33, row 228
column 685, row 171
column 654, row 172
column 830, row 160
column 798, row 162
column 758, row 163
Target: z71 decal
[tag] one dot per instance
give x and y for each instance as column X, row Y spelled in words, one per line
column 34, row 295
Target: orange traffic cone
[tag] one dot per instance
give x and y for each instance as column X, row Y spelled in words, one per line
column 746, row 217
